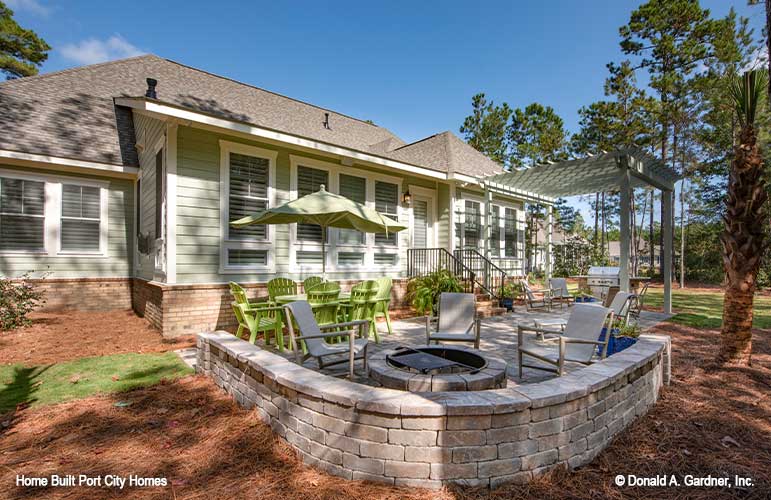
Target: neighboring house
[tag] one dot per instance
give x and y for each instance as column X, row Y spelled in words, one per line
column 537, row 261
column 643, row 253
column 123, row 192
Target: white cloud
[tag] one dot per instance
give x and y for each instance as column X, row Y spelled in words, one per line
column 32, row 6
column 92, row 50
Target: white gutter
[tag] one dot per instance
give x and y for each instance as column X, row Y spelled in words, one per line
column 233, row 126
column 19, row 158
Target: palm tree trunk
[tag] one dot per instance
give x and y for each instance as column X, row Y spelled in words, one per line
column 743, row 246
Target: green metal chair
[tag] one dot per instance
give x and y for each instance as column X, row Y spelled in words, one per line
column 382, row 303
column 324, row 299
column 281, row 286
column 312, row 282
column 257, row 317
column 361, row 305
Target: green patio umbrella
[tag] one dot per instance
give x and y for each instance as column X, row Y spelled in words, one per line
column 327, row 210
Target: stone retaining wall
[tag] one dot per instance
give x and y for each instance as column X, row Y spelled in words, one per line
column 480, row 438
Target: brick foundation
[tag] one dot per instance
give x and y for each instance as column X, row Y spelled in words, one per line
column 189, row 309
column 85, row 294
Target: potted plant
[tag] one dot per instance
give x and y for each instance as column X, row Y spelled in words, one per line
column 621, row 337
column 506, row 295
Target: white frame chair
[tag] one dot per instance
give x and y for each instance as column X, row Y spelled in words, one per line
column 532, row 301
column 457, row 320
column 313, row 337
column 577, row 343
column 560, row 287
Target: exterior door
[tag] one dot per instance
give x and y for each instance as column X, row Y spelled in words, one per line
column 422, row 223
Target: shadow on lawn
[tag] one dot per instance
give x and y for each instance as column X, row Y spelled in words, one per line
column 18, row 393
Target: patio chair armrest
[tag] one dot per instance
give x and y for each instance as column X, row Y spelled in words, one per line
column 344, row 333
column 264, row 308
column 525, row 328
column 357, row 322
column 569, row 340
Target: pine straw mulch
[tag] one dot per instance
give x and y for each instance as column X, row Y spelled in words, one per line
column 708, row 421
column 54, row 337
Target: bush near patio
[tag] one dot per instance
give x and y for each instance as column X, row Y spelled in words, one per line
column 18, row 298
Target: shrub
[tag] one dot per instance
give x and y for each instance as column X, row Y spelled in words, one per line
column 18, row 297
column 424, row 291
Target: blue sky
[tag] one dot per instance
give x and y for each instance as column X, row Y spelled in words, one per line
column 409, row 66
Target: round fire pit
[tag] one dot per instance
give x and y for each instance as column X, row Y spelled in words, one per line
column 437, row 368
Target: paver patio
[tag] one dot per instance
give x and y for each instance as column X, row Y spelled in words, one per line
column 498, row 337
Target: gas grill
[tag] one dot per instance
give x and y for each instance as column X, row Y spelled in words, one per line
column 600, row 278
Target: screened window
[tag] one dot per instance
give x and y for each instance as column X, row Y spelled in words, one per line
column 387, row 203
column 22, row 215
column 247, row 257
column 248, row 194
column 495, row 231
column 385, row 259
column 81, row 210
column 472, row 228
column 510, row 233
column 353, row 188
column 309, row 180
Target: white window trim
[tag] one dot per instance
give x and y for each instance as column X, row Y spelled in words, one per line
column 159, row 273
column 369, row 248
column 52, row 214
column 227, row 147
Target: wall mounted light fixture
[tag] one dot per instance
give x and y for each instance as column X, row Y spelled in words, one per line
column 407, row 198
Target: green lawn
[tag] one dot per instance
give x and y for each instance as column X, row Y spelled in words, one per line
column 42, row 385
column 702, row 309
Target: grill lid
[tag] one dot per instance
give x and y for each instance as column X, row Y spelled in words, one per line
column 604, row 271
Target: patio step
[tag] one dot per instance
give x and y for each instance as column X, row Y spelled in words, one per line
column 487, row 308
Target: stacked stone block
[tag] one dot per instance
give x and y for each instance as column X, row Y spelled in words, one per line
column 478, row 438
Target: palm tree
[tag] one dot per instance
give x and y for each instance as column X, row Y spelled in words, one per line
column 743, row 236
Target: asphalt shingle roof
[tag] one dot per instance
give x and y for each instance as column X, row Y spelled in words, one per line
column 446, row 151
column 71, row 114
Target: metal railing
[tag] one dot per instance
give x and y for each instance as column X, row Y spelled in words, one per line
column 421, row 261
column 490, row 277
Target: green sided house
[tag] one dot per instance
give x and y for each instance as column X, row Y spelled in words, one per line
column 118, row 180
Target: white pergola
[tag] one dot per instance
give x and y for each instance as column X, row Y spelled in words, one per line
column 617, row 171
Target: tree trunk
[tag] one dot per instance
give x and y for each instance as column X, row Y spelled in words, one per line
column 743, row 243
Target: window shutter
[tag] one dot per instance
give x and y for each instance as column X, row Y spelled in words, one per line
column 510, row 233
column 355, row 189
column 309, row 180
column 387, row 203
column 248, row 194
column 495, row 231
column 22, row 221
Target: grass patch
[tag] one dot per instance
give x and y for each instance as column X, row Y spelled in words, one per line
column 44, row 385
column 704, row 309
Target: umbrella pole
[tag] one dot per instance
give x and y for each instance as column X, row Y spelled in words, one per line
column 323, row 253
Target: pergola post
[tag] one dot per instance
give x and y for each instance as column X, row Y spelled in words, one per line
column 666, row 251
column 549, row 257
column 486, row 228
column 626, row 205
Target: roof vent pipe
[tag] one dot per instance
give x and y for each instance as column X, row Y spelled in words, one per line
column 151, row 83
column 326, row 120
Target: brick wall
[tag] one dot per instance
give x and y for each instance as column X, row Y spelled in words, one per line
column 475, row 438
column 190, row 309
column 85, row 294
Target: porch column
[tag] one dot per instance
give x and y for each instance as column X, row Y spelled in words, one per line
column 666, row 251
column 626, row 198
column 548, row 258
